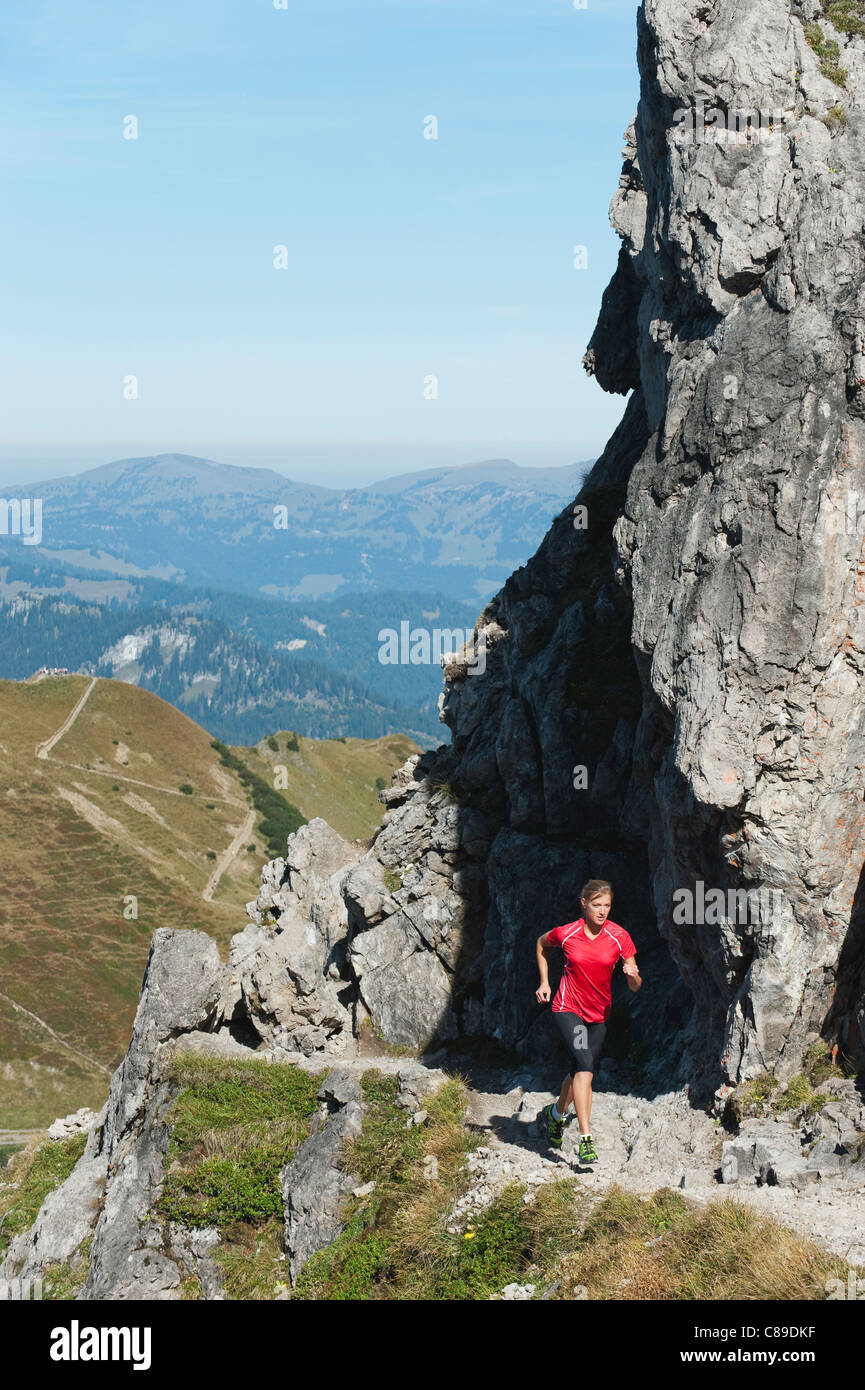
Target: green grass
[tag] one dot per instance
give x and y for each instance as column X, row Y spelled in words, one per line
column 763, row 1096
column 567, row 1242
column 836, row 118
column 392, row 880
column 820, row 1065
column 60, row 1283
column 389, row 1247
column 847, row 16
column 28, row 1182
column 798, row 1094
column 69, row 876
column 235, row 1125
column 332, row 778
column 251, row 1261
column 828, row 53
column 753, row 1097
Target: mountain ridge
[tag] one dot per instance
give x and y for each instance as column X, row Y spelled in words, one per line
column 460, row 530
column 173, row 465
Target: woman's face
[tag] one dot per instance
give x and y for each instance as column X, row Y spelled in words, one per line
column 597, row 910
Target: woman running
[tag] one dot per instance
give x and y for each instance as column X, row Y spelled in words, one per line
column 592, row 946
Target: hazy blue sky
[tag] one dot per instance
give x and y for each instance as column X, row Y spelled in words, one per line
column 304, row 127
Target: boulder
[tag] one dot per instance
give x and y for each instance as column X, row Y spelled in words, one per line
column 315, row 1187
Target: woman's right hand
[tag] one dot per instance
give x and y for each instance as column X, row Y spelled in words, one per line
column 542, row 994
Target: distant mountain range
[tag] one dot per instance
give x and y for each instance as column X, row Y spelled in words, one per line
column 458, row 531
column 169, row 573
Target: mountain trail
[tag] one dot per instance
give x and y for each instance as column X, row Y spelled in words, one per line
column 19, row 1008
column 228, row 855
column 43, row 749
column 136, row 782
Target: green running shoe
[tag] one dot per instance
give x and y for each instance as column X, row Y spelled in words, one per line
column 587, row 1152
column 555, row 1129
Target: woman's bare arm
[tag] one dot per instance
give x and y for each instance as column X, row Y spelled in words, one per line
column 632, row 973
column 542, row 994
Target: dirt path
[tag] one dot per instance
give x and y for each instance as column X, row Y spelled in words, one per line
column 43, row 749
column 643, row 1145
column 8, row 1137
column 226, row 857
column 136, row 782
column 19, row 1008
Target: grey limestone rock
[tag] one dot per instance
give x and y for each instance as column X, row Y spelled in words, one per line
column 287, row 964
column 80, row 1122
column 116, row 1183
column 130, row 1257
column 315, row 1187
column 66, row 1217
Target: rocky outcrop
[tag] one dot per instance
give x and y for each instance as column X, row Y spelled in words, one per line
column 182, row 986
column 66, row 1217
column 79, row 1122
column 114, row 1188
column 315, row 1184
column 733, row 541
column 815, row 1149
column 288, row 965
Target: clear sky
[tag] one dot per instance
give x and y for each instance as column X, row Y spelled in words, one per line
column 304, row 127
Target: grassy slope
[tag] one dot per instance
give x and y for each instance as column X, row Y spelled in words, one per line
column 78, row 833
column 332, row 779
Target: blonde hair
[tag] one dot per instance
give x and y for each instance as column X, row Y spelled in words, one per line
column 595, row 887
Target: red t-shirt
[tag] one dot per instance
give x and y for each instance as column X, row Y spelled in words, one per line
column 586, row 987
